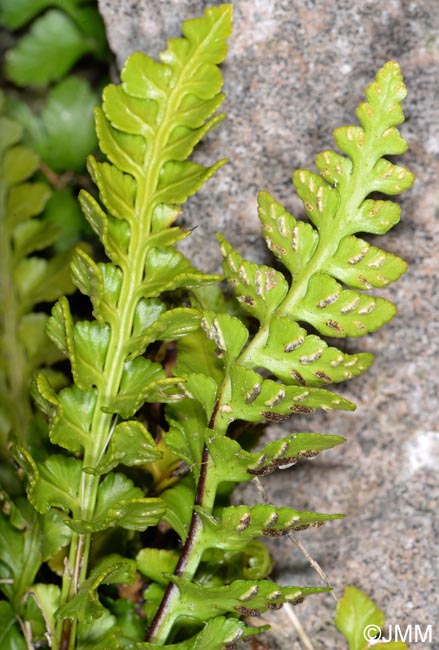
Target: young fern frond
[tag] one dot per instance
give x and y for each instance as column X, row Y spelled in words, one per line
column 147, row 128
column 319, row 256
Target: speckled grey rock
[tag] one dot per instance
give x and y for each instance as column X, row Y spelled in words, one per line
column 296, row 70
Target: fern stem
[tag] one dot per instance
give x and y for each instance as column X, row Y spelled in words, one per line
column 189, row 558
column 188, row 563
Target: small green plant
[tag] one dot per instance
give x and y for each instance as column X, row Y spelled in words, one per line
column 159, row 333
column 360, row 621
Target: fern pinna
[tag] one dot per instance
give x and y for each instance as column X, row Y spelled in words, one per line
column 198, row 590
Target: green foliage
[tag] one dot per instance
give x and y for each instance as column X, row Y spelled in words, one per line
column 27, row 539
column 358, row 618
column 59, row 126
column 116, row 462
column 27, row 278
column 112, row 377
column 10, row 635
column 55, row 41
column 62, row 134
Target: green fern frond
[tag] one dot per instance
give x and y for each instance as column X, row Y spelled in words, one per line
column 147, row 128
column 225, row 367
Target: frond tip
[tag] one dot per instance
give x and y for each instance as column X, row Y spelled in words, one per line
column 327, row 262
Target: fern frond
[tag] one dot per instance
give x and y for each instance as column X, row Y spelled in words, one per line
column 225, row 367
column 241, row 597
column 147, row 128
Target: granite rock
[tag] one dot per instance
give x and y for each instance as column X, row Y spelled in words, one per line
column 295, row 71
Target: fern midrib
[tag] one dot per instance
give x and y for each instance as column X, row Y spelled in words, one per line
column 133, row 272
column 101, row 422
